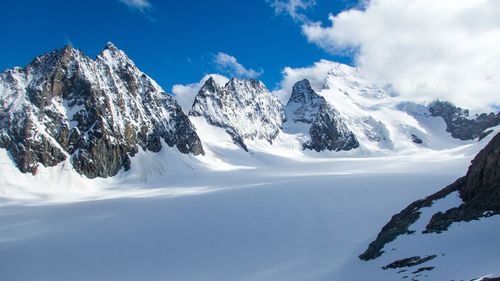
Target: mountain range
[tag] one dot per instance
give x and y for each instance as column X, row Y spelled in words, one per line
column 67, row 119
column 99, row 112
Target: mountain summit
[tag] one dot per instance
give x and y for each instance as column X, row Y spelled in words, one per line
column 243, row 107
column 96, row 113
column 327, row 130
column 304, row 104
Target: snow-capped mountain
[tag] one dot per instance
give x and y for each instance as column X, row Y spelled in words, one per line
column 243, row 107
column 97, row 113
column 374, row 117
column 327, row 130
column 302, row 178
column 304, row 104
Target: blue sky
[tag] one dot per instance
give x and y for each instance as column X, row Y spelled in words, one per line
column 172, row 41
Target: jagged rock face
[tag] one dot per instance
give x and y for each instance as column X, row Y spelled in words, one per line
column 98, row 112
column 479, row 190
column 458, row 122
column 243, row 107
column 329, row 132
column 304, row 104
column 482, row 181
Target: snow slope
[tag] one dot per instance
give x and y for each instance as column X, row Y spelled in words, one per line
column 276, row 212
column 229, row 215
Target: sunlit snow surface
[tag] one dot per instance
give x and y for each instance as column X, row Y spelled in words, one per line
column 275, row 213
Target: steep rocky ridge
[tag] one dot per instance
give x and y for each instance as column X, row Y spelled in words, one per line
column 327, row 129
column 329, row 132
column 243, row 107
column 95, row 112
column 304, row 103
column 459, row 123
column 479, row 190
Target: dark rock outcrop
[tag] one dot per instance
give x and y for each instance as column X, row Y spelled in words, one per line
column 409, row 262
column 243, row 107
column 327, row 131
column 304, row 104
column 479, row 189
column 416, row 139
column 400, row 223
column 96, row 112
column 459, row 123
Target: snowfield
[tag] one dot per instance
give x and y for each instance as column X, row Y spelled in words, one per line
column 274, row 213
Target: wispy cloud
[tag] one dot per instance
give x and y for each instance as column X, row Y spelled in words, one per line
column 230, row 65
column 140, row 5
column 294, row 8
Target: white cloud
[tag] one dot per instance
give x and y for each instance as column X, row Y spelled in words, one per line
column 185, row 94
column 230, row 65
column 427, row 49
column 140, row 5
column 316, row 74
column 295, row 8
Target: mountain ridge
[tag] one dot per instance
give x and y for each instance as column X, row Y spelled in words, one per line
column 98, row 112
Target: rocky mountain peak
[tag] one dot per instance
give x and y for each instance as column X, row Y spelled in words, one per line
column 302, row 92
column 327, row 130
column 304, row 103
column 96, row 112
column 114, row 56
column 242, row 86
column 210, row 86
column 110, row 46
column 244, row 107
column 67, row 50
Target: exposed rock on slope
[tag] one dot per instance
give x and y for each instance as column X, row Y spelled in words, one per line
column 98, row 112
column 328, row 131
column 459, row 123
column 304, row 104
column 243, row 107
column 479, row 189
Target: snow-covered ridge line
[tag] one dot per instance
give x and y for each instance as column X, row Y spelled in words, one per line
column 243, row 107
column 95, row 112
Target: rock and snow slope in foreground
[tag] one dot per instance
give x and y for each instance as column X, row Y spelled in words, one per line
column 276, row 212
column 230, row 215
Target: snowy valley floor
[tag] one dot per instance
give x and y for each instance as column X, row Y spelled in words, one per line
column 177, row 217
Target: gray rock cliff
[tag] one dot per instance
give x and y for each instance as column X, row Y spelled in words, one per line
column 97, row 112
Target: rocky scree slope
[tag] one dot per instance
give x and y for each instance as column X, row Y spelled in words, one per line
column 327, row 131
column 97, row 113
column 479, row 190
column 243, row 107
